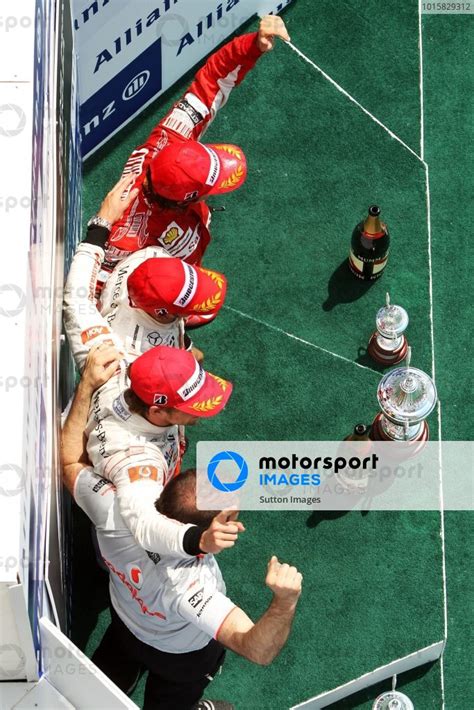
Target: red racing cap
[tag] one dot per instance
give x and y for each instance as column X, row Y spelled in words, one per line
column 169, row 285
column 169, row 377
column 187, row 170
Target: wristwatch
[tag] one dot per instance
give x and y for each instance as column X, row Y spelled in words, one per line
column 97, row 221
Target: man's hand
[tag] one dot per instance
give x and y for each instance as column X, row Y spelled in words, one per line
column 271, row 26
column 118, row 199
column 198, row 354
column 102, row 362
column 284, row 581
column 222, row 533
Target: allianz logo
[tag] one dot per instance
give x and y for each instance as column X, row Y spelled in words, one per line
column 135, row 85
column 133, row 88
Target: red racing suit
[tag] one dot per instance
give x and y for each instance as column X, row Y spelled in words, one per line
column 183, row 234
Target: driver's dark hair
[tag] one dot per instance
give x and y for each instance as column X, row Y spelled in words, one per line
column 178, row 501
column 135, row 404
column 154, row 197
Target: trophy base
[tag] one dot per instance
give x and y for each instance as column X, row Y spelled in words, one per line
column 386, row 355
column 419, row 434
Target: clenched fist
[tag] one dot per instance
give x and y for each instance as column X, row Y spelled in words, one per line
column 222, row 532
column 271, row 26
column 284, row 581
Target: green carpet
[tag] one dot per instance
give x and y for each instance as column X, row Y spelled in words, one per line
column 373, row 585
column 448, row 41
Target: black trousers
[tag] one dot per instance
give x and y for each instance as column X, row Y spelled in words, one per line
column 175, row 680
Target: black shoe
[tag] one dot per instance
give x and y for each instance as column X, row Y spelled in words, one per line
column 214, row 705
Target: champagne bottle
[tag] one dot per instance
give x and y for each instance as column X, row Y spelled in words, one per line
column 360, row 433
column 369, row 247
column 354, row 481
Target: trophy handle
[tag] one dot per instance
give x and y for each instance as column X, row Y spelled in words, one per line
column 387, row 299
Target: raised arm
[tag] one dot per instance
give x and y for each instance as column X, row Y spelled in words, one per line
column 224, row 70
column 262, row 642
column 101, row 363
column 139, row 476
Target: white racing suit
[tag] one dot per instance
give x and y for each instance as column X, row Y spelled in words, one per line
column 88, row 323
column 120, row 441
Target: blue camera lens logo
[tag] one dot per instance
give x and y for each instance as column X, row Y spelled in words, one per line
column 239, row 461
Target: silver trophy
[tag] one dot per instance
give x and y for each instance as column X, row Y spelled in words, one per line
column 388, row 344
column 406, row 396
column 393, row 700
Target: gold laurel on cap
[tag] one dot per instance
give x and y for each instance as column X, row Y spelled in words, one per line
column 219, row 280
column 230, row 149
column 208, row 405
column 209, row 305
column 233, row 179
column 223, row 383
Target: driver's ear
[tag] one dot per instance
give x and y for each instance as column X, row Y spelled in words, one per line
column 157, row 412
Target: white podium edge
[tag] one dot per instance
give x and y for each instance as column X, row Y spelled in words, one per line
column 400, row 665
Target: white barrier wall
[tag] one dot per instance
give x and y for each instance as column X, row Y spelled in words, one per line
column 130, row 52
column 17, row 654
column 39, row 195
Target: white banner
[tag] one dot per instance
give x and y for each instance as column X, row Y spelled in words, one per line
column 130, row 52
column 335, row 475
